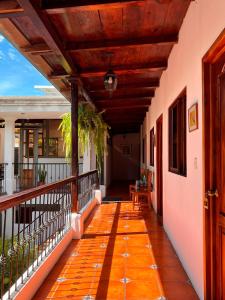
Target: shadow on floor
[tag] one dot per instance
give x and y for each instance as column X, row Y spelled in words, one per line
column 124, row 254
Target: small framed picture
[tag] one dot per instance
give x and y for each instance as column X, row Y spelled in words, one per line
column 193, row 117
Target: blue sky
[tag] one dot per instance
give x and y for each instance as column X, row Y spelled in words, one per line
column 18, row 76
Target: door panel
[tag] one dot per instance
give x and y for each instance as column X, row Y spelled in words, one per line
column 222, row 131
column 223, row 263
column 214, row 142
column 221, row 186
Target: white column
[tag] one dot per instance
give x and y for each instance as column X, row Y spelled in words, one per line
column 2, row 131
column 87, row 160
column 92, row 156
column 9, row 143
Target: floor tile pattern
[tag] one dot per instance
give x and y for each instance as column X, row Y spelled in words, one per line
column 124, row 254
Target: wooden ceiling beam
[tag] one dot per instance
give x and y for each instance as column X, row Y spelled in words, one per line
column 105, row 95
column 116, row 131
column 125, row 119
column 120, row 100
column 43, row 23
column 137, row 85
column 114, row 115
column 113, row 112
column 58, row 75
column 123, row 106
column 145, row 96
column 8, row 15
column 117, row 44
column 10, row 8
column 126, row 112
column 121, row 124
column 131, row 124
column 123, row 103
column 124, row 122
column 38, row 49
column 127, row 126
column 123, row 70
column 59, row 7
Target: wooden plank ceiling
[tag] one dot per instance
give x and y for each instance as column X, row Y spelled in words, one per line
column 85, row 38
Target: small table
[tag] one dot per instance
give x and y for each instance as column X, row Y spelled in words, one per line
column 138, row 193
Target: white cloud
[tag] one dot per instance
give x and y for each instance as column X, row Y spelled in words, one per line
column 1, row 38
column 2, row 54
column 12, row 54
column 5, row 86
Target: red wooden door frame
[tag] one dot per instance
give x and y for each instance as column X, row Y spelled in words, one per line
column 210, row 134
column 159, row 164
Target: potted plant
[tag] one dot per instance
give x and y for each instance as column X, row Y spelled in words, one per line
column 91, row 126
column 41, row 176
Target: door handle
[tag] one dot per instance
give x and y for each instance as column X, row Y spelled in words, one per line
column 212, row 193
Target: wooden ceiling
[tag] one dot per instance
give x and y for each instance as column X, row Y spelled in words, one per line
column 85, row 38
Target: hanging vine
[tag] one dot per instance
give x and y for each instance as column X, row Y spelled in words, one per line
column 91, row 127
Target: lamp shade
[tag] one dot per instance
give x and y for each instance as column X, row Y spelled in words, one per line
column 110, row 81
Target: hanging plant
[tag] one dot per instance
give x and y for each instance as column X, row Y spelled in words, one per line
column 91, row 127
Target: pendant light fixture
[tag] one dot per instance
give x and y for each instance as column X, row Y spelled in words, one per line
column 110, row 78
column 110, row 81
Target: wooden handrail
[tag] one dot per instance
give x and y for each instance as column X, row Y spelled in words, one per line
column 87, row 174
column 7, row 202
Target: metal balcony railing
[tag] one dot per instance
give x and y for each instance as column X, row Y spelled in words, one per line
column 27, row 175
column 32, row 223
column 87, row 182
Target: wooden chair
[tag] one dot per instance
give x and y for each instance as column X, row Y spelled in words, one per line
column 132, row 188
column 138, row 196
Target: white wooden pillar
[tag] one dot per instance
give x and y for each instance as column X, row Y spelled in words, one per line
column 9, row 144
column 87, row 159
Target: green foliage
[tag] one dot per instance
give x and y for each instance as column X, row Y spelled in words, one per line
column 18, row 263
column 91, row 127
column 42, row 175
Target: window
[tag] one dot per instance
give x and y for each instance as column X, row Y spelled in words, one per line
column 30, row 142
column 52, row 147
column 177, row 136
column 152, row 147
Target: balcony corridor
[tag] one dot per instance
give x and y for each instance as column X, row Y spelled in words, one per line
column 124, row 254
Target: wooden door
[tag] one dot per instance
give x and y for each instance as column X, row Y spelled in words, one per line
column 220, row 209
column 159, row 165
column 214, row 201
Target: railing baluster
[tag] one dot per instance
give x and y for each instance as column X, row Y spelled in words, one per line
column 3, row 260
column 33, row 222
column 11, row 251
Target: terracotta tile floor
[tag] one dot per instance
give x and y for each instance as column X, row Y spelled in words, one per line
column 124, row 254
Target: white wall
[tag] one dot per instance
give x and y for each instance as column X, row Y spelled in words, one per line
column 183, row 196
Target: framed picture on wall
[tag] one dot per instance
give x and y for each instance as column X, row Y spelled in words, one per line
column 126, row 149
column 193, row 117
